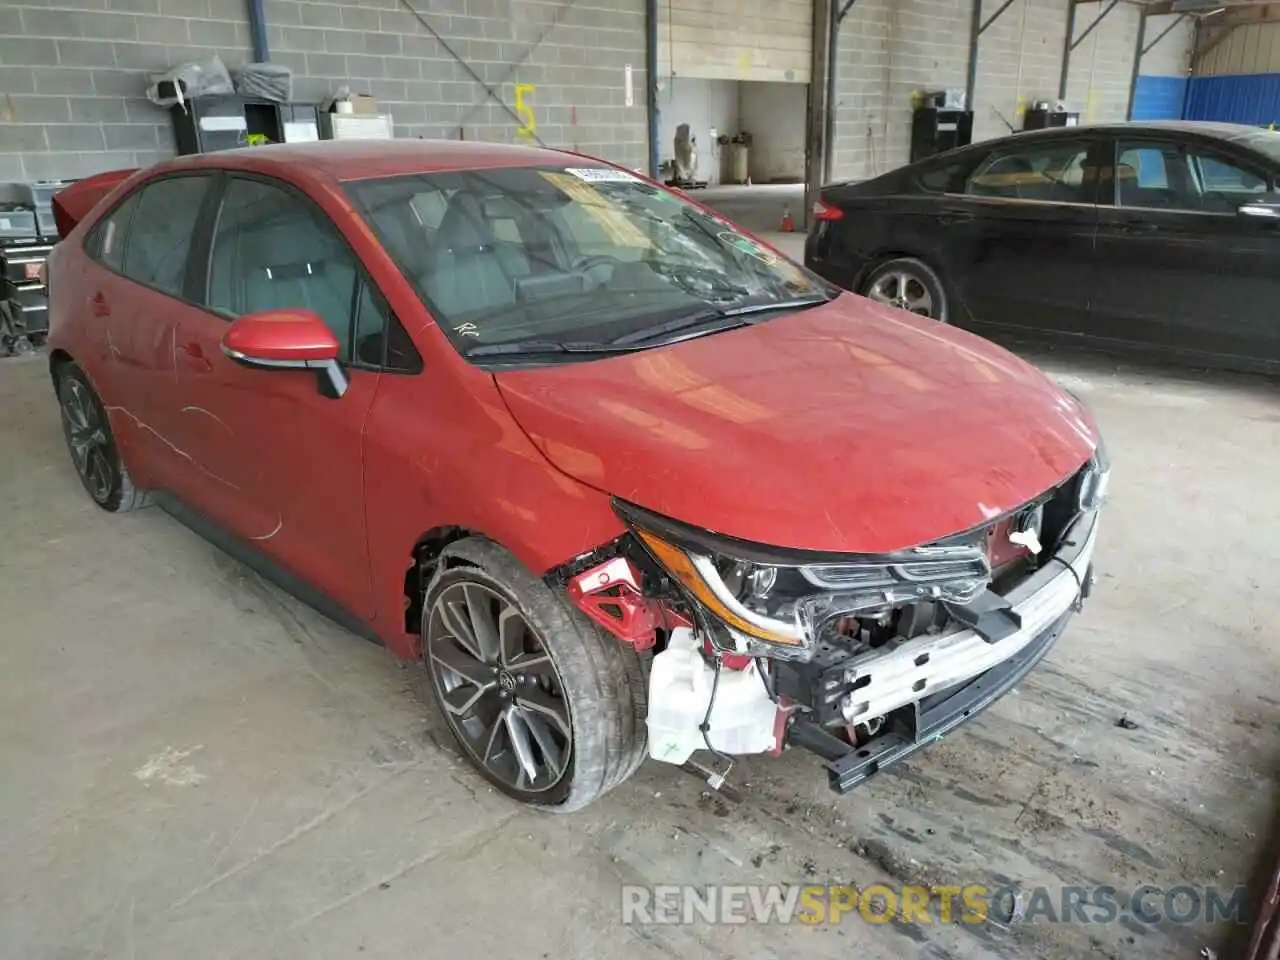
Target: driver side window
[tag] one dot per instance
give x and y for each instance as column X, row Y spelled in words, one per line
column 274, row 250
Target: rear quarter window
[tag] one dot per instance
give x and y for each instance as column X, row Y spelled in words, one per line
column 948, row 178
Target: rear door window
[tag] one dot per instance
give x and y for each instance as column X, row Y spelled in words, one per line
column 159, row 236
column 106, row 242
column 1051, row 172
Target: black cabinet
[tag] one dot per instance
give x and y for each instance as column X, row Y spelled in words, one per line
column 934, row 130
column 207, row 124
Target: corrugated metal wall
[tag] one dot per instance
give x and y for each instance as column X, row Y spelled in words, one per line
column 1159, row 98
column 1253, row 98
column 1238, row 79
column 1248, row 48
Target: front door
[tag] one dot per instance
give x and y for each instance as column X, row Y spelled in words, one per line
column 281, row 464
column 1179, row 266
column 1020, row 239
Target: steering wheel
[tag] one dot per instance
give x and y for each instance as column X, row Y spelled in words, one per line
column 697, row 280
column 593, row 260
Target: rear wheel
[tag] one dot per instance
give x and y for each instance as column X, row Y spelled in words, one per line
column 546, row 706
column 92, row 446
column 908, row 284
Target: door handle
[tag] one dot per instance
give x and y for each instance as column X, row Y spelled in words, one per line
column 194, row 356
column 100, row 306
column 1135, row 227
column 949, row 218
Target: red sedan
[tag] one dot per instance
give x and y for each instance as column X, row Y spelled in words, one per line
column 626, row 481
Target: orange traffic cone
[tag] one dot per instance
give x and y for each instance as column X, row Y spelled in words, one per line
column 788, row 224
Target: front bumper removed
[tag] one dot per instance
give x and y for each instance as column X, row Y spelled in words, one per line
column 928, row 686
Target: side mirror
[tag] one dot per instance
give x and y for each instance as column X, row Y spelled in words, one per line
column 1265, row 209
column 287, row 340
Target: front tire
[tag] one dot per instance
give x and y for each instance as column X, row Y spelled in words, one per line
column 908, row 284
column 546, row 706
column 92, row 445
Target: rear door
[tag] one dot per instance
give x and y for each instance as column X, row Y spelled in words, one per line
column 1020, row 239
column 139, row 290
column 1180, row 267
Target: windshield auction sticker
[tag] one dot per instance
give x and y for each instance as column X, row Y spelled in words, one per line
column 602, row 174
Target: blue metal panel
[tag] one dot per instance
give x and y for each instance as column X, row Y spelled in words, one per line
column 1251, row 98
column 1159, row 98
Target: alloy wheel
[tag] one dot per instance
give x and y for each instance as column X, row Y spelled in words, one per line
column 903, row 290
column 500, row 691
column 87, row 436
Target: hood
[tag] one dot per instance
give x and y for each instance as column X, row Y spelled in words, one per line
column 848, row 427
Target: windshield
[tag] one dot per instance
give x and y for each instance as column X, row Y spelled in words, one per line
column 573, row 259
column 1264, row 141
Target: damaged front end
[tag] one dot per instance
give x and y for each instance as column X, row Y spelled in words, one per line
column 861, row 659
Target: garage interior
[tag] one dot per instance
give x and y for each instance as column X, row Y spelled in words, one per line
column 195, row 763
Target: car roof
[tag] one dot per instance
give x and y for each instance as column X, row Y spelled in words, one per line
column 1217, row 131
column 368, row 159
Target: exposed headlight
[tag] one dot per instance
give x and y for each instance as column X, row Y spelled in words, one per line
column 786, row 604
column 1096, row 478
column 747, row 586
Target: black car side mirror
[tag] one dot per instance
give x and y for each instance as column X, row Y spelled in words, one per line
column 1265, row 209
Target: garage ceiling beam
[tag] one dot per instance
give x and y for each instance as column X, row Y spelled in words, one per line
column 1093, row 26
column 1066, row 50
column 820, row 123
column 995, row 16
column 1163, row 33
column 1138, row 48
column 975, row 32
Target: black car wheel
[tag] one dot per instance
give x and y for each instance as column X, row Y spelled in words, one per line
column 547, row 707
column 93, row 447
column 908, row 284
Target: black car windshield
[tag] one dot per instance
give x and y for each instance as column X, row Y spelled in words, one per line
column 573, row 259
column 1264, row 141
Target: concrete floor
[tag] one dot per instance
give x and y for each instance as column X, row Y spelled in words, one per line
column 195, row 765
column 760, row 207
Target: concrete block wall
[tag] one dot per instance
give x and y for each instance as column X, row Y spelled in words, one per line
column 73, row 73
column 1020, row 62
column 887, row 50
column 765, row 40
column 890, row 48
column 73, row 77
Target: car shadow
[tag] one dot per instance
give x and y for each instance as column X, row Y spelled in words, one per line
column 1131, row 371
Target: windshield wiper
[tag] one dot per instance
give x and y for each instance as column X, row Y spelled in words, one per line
column 689, row 322
column 524, row 347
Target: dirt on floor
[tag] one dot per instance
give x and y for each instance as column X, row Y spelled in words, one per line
column 196, row 765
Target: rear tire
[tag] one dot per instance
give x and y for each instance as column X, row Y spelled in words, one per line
column 908, row 284
column 94, row 452
column 492, row 689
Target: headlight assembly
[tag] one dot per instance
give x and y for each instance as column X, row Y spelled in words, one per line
column 1096, row 478
column 700, row 574
column 766, row 596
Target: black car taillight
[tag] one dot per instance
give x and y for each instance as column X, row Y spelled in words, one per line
column 824, row 211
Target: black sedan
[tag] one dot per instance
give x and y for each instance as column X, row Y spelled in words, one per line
column 1163, row 236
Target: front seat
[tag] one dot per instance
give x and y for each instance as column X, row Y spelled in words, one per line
column 464, row 275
